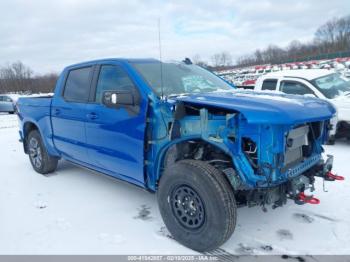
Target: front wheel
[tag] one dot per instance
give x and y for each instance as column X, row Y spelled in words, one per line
column 197, row 204
column 41, row 161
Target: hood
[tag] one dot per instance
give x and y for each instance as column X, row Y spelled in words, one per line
column 266, row 107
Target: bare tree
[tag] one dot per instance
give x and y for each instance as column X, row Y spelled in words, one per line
column 293, row 49
column 333, row 36
column 222, row 59
column 258, row 57
column 226, row 59
column 44, row 83
column 197, row 60
column 216, row 60
column 343, row 33
column 17, row 77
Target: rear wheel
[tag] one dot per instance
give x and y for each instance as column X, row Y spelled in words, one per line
column 197, row 204
column 41, row 161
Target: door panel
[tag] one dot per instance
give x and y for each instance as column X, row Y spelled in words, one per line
column 68, row 124
column 116, row 140
column 69, row 114
column 115, row 137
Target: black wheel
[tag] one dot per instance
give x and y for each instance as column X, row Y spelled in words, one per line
column 41, row 161
column 197, row 204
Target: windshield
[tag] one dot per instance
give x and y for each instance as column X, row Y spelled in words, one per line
column 332, row 85
column 179, row 78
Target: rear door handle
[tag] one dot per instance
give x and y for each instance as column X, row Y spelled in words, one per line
column 92, row 116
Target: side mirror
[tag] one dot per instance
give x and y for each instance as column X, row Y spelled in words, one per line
column 118, row 98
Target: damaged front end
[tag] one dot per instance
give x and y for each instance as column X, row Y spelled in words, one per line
column 293, row 189
column 267, row 160
column 293, row 166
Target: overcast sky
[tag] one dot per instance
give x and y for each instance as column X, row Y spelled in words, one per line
column 50, row 34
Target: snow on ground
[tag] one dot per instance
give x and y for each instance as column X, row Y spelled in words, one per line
column 77, row 211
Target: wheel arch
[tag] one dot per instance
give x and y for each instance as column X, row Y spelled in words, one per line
column 164, row 156
column 28, row 127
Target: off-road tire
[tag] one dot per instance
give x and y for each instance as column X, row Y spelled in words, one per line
column 217, row 198
column 48, row 164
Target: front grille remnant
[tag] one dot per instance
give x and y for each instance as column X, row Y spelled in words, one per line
column 296, row 139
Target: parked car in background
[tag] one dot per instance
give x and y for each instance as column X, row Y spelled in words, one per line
column 321, row 83
column 7, row 104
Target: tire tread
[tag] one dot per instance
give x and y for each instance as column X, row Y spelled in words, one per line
column 227, row 195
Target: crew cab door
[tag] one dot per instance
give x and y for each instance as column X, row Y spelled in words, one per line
column 115, row 136
column 68, row 114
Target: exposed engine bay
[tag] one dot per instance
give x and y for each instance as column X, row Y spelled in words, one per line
column 265, row 164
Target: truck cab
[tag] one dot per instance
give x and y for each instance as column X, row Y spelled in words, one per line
column 321, row 83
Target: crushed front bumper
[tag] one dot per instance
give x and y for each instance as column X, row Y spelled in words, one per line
column 301, row 178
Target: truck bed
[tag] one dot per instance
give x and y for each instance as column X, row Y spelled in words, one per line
column 25, row 103
column 37, row 110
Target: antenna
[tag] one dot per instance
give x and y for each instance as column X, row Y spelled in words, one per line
column 160, row 60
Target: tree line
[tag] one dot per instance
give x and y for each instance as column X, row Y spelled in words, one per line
column 331, row 37
column 19, row 78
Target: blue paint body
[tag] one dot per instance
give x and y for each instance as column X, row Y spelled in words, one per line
column 114, row 143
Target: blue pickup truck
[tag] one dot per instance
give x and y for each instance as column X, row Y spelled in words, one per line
column 179, row 130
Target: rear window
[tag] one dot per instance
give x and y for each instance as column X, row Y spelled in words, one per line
column 5, row 99
column 269, row 84
column 77, row 86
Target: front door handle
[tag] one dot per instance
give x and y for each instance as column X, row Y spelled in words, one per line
column 92, row 116
column 57, row 111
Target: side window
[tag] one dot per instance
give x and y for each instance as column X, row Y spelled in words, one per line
column 7, row 99
column 112, row 78
column 295, row 88
column 269, row 84
column 78, row 85
column 1, row 98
